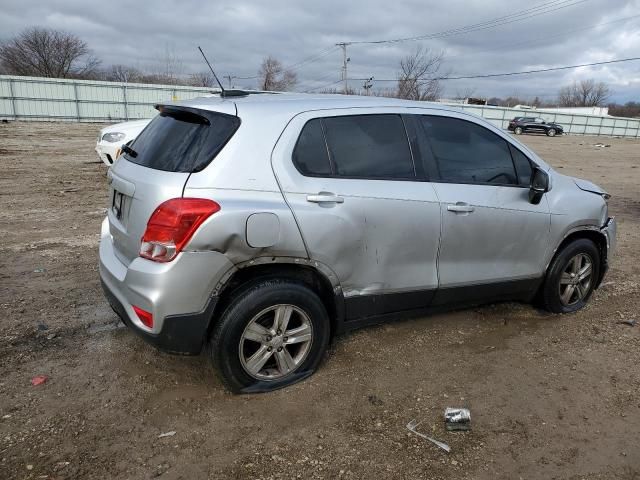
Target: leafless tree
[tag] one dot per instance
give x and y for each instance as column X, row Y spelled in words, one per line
column 169, row 68
column 464, row 93
column 418, row 75
column 586, row 93
column 45, row 52
column 202, row 79
column 122, row 73
column 274, row 77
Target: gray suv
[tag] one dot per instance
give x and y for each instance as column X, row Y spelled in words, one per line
column 261, row 225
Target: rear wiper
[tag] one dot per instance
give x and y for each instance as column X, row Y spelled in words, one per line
column 129, row 151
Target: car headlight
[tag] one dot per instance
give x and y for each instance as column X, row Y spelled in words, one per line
column 113, row 137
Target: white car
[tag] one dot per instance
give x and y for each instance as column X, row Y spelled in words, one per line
column 111, row 138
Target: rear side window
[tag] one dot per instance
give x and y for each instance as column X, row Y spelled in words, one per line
column 369, row 146
column 310, row 155
column 468, row 153
column 523, row 166
column 182, row 140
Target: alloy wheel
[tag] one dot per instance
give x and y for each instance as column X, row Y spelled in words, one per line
column 575, row 281
column 275, row 342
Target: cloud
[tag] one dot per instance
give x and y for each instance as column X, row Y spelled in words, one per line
column 237, row 35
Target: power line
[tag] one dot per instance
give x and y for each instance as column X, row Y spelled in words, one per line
column 295, row 66
column 526, row 14
column 526, row 72
column 537, row 40
column 324, row 86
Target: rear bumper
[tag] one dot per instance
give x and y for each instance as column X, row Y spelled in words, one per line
column 180, row 334
column 178, row 294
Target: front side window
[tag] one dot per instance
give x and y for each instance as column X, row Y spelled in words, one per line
column 468, row 153
column 523, row 166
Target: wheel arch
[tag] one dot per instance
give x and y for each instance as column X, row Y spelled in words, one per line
column 312, row 274
column 590, row 233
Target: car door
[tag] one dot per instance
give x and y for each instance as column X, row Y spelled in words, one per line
column 491, row 233
column 353, row 187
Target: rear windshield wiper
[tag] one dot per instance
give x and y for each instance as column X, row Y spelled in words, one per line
column 129, row 151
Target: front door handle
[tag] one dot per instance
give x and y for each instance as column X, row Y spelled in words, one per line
column 460, row 207
column 325, row 197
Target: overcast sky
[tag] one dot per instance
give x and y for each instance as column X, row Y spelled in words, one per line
column 238, row 34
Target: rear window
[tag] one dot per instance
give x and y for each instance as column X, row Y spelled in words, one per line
column 182, row 139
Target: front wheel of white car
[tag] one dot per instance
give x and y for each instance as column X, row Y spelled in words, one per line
column 273, row 334
column 571, row 277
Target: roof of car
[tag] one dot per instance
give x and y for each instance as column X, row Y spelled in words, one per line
column 294, row 103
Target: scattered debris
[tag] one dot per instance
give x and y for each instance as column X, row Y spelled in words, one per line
column 29, row 467
column 375, row 400
column 39, row 380
column 167, row 434
column 6, row 417
column 40, row 270
column 457, row 419
column 601, row 145
column 412, row 428
column 51, row 336
column 631, row 323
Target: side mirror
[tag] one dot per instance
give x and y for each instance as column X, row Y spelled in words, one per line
column 539, row 185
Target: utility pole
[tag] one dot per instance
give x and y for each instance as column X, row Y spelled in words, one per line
column 368, row 83
column 345, row 60
column 229, row 78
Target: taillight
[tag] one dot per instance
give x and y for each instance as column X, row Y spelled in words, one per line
column 172, row 225
column 145, row 317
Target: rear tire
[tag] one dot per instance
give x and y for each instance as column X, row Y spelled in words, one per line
column 571, row 277
column 517, row 130
column 551, row 132
column 249, row 350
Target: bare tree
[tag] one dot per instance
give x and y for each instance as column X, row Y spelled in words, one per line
column 417, row 77
column 202, row 79
column 48, row 53
column 274, row 77
column 586, row 93
column 122, row 73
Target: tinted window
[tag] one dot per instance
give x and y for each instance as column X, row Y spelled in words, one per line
column 182, row 140
column 468, row 153
column 310, row 155
column 370, row 146
column 523, row 166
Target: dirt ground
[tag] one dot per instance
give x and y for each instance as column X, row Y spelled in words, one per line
column 551, row 396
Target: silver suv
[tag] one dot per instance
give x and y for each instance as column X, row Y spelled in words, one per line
column 261, row 225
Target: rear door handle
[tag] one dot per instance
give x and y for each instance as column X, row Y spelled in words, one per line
column 460, row 207
column 325, row 197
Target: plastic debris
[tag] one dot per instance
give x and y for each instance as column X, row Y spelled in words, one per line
column 457, row 419
column 631, row 323
column 412, row 428
column 39, row 380
column 167, row 434
column 40, row 270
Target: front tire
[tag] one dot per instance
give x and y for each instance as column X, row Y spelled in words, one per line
column 551, row 132
column 273, row 334
column 571, row 277
column 517, row 130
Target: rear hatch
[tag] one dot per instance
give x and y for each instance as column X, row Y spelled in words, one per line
column 156, row 166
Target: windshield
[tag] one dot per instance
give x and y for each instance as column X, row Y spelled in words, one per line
column 182, row 139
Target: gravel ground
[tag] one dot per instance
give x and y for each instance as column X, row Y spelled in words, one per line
column 551, row 396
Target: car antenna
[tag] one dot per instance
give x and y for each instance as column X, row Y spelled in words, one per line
column 211, row 68
column 223, row 93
